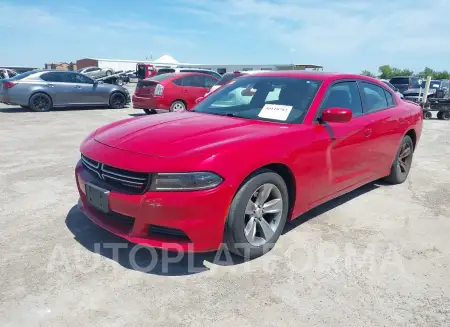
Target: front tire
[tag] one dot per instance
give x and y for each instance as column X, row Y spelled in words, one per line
column 177, row 106
column 402, row 162
column 257, row 215
column 427, row 115
column 117, row 100
column 40, row 102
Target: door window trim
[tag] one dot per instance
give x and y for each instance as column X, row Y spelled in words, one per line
column 363, row 97
column 319, row 110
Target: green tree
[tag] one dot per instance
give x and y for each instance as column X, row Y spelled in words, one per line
column 441, row 75
column 367, row 73
column 385, row 71
column 428, row 72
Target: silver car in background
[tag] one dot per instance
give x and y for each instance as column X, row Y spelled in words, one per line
column 42, row 90
column 96, row 72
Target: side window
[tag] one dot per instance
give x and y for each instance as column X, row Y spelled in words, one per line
column 375, row 97
column 194, row 81
column 210, row 82
column 343, row 95
column 178, row 81
column 53, row 77
column 79, row 78
column 389, row 99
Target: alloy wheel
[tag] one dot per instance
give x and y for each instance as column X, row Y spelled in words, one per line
column 41, row 102
column 178, row 107
column 405, row 158
column 263, row 214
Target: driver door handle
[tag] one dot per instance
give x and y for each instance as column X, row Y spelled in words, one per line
column 367, row 132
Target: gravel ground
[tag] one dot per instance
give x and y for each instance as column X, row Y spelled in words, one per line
column 378, row 256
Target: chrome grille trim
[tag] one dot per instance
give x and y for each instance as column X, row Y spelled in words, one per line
column 135, row 182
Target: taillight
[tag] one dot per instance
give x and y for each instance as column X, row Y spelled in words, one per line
column 8, row 85
column 159, row 89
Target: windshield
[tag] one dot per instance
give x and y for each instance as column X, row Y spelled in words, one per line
column 269, row 98
column 433, row 84
column 23, row 75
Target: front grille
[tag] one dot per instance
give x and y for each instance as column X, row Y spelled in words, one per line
column 116, row 178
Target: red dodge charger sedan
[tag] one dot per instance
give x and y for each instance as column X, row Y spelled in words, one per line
column 240, row 164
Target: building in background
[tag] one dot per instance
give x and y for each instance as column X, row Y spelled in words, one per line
column 168, row 61
column 61, row 66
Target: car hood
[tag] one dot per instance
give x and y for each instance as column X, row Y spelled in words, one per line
column 179, row 134
column 417, row 90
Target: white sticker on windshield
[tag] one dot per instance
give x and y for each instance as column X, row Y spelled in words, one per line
column 275, row 111
column 435, row 85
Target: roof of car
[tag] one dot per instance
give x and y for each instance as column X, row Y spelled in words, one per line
column 313, row 75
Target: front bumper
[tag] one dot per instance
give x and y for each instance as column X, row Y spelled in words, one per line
column 184, row 221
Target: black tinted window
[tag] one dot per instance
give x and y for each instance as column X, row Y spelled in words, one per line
column 178, row 81
column 165, row 71
column 389, row 99
column 210, row 82
column 375, row 97
column 53, row 77
column 399, row 80
column 79, row 78
column 194, row 81
column 344, row 95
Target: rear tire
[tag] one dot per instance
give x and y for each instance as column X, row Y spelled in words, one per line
column 108, row 73
column 40, row 102
column 150, row 111
column 249, row 231
column 445, row 115
column 177, row 106
column 117, row 100
column 439, row 115
column 402, row 162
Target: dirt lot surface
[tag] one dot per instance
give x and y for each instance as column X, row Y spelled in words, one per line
column 376, row 257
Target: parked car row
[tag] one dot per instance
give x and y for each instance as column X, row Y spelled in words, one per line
column 257, row 152
column 42, row 90
column 412, row 87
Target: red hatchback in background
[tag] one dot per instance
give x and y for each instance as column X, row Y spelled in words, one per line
column 173, row 92
column 236, row 168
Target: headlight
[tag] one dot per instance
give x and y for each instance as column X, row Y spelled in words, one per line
column 185, row 181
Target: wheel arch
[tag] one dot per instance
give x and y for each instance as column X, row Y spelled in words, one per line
column 286, row 174
column 412, row 134
column 181, row 100
column 39, row 91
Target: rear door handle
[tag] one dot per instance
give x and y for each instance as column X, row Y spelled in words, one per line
column 367, row 132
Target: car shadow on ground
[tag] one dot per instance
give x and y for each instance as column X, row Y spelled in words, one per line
column 10, row 110
column 158, row 262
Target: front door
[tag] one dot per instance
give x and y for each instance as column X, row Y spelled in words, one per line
column 62, row 91
column 89, row 91
column 193, row 88
column 346, row 153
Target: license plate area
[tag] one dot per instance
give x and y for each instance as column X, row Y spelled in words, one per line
column 98, row 197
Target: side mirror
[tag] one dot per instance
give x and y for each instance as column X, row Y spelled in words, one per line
column 198, row 100
column 336, row 115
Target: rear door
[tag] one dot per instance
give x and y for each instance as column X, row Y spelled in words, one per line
column 383, row 123
column 347, row 156
column 62, row 91
column 194, row 86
